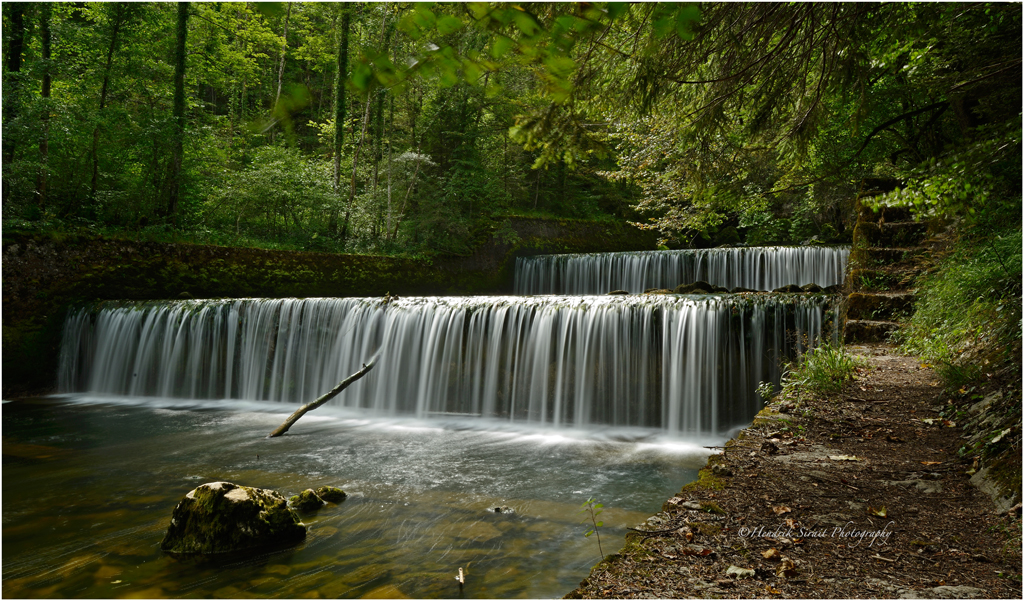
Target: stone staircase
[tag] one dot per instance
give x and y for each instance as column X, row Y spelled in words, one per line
column 889, row 251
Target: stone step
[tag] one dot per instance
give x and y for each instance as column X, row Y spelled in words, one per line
column 881, row 279
column 890, row 235
column 879, row 305
column 872, row 257
column 863, row 330
column 885, row 214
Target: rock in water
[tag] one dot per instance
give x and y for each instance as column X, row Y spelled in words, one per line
column 331, row 494
column 220, row 517
column 306, row 500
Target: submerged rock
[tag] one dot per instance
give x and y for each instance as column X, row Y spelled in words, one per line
column 331, row 494
column 220, row 517
column 306, row 500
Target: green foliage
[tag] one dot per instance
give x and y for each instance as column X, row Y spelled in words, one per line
column 765, row 390
column 976, row 181
column 690, row 119
column 278, row 195
column 593, row 509
column 967, row 318
column 822, row 370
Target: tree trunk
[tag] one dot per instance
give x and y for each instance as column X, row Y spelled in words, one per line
column 362, row 139
column 294, row 417
column 355, row 164
column 405, row 201
column 178, row 141
column 120, row 11
column 45, row 12
column 12, row 80
column 284, row 48
column 341, row 76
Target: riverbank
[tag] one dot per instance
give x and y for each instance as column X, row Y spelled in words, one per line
column 858, row 495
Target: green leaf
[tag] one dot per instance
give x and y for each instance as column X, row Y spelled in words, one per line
column 501, row 45
column 362, row 75
column 560, row 66
column 269, row 9
column 686, row 18
column 617, row 9
column 526, row 23
column 448, row 24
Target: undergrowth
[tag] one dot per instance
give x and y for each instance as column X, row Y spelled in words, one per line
column 821, row 370
column 967, row 318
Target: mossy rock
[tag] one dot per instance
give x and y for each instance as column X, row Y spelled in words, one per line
column 331, row 494
column 812, row 287
column 221, row 517
column 791, row 288
column 698, row 287
column 307, row 500
column 618, row 292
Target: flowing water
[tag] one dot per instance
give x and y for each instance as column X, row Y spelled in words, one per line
column 89, row 484
column 680, row 364
column 533, row 404
column 755, row 268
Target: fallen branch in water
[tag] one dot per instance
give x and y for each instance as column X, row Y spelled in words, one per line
column 323, row 399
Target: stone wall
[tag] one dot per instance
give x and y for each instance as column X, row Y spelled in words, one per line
column 43, row 275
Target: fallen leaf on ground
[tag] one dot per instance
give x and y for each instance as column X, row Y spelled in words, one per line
column 931, row 463
column 772, row 554
column 879, row 512
column 786, row 569
column 844, row 458
column 781, row 509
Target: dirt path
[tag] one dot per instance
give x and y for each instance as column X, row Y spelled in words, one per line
column 861, row 495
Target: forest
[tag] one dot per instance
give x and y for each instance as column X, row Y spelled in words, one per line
column 410, row 128
column 712, row 123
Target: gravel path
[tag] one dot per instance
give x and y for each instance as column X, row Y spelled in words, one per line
column 857, row 495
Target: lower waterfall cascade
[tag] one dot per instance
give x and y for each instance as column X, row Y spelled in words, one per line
column 755, row 268
column 680, row 364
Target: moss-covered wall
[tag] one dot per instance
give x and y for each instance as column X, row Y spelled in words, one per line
column 45, row 274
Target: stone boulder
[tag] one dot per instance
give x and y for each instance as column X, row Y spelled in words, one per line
column 306, row 500
column 789, row 289
column 699, row 287
column 221, row 517
column 331, row 494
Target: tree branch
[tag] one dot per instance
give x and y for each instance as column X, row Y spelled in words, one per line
column 294, row 417
column 895, row 120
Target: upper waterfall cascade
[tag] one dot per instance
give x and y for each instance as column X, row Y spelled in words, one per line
column 676, row 363
column 756, row 268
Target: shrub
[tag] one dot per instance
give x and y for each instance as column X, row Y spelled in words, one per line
column 822, row 370
column 968, row 312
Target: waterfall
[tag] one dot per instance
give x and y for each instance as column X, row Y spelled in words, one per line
column 756, row 268
column 677, row 363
